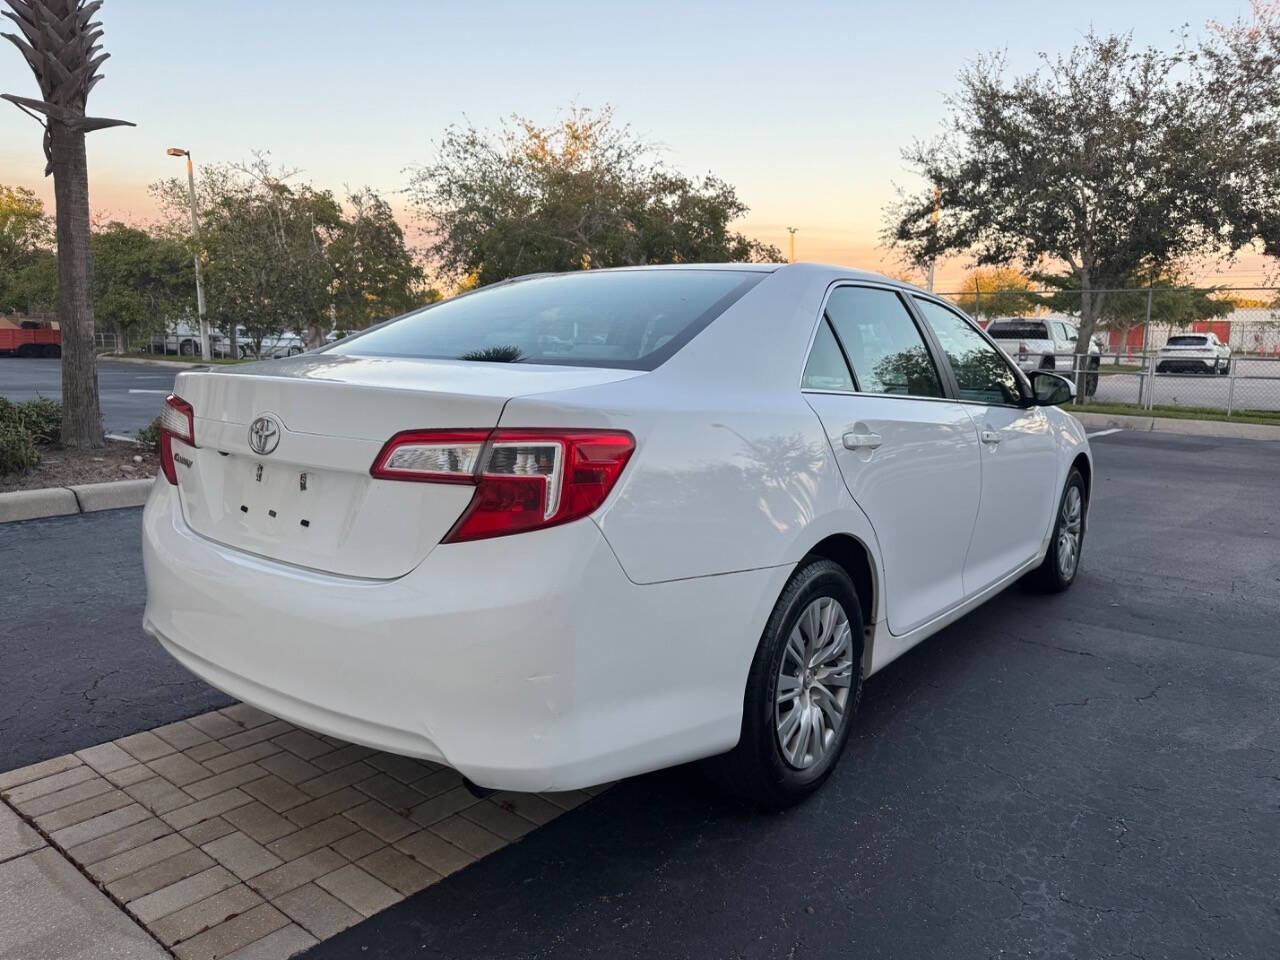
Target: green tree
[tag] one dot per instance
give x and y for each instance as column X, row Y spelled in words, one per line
column 26, row 236
column 583, row 192
column 139, row 280
column 280, row 255
column 997, row 292
column 375, row 275
column 1107, row 160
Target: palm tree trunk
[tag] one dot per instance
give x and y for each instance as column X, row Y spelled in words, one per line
column 81, row 417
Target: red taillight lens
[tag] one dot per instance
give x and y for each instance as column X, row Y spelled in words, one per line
column 524, row 479
column 177, row 422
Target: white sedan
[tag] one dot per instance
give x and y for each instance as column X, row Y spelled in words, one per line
column 575, row 527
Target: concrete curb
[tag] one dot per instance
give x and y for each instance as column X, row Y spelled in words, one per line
column 1194, row 428
column 176, row 364
column 81, row 498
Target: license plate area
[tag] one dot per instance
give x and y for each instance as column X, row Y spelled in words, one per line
column 272, row 498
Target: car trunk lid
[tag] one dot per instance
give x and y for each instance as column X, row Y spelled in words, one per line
column 305, row 495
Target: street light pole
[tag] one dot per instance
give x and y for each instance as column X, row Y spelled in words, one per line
column 205, row 354
column 792, row 231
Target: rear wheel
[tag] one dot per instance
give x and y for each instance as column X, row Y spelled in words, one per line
column 802, row 691
column 187, row 348
column 1062, row 562
column 52, row 350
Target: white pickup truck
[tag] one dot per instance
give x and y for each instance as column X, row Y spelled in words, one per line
column 1043, row 344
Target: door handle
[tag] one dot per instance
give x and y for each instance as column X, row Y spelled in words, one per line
column 990, row 436
column 861, row 441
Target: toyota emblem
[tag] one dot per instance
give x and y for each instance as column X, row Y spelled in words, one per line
column 264, row 435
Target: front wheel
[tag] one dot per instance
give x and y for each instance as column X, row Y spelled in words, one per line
column 802, row 691
column 1062, row 562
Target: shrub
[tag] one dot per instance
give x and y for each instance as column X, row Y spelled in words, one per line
column 43, row 419
column 18, row 450
column 149, row 436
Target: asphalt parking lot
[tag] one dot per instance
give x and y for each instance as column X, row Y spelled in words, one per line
column 130, row 393
column 1095, row 774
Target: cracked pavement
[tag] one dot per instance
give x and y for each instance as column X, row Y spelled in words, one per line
column 77, row 668
column 1095, row 774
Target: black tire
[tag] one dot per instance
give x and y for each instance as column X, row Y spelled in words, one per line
column 51, row 350
column 187, row 348
column 1226, row 368
column 755, row 771
column 1049, row 576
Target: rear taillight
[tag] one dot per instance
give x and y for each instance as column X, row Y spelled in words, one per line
column 177, row 422
column 1022, row 349
column 524, row 479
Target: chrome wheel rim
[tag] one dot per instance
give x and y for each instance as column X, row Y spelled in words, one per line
column 1070, row 528
column 814, row 680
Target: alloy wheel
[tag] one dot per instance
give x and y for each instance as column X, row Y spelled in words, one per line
column 814, row 679
column 1070, row 527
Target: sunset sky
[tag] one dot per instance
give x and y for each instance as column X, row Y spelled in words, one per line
column 804, row 107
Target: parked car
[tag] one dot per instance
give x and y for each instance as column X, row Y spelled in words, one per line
column 1044, row 344
column 183, row 338
column 273, row 346
column 1194, row 353
column 683, row 517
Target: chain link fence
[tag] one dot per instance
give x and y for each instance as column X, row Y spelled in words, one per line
column 1211, row 350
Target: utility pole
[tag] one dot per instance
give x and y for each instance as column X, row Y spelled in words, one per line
column 205, row 353
column 792, row 231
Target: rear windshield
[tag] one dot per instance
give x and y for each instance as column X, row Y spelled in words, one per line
column 632, row 319
column 1188, row 341
column 1017, row 330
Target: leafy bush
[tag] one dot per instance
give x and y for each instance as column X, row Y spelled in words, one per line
column 18, row 450
column 43, row 419
column 149, row 436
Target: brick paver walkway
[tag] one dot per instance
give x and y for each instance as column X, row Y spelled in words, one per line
column 234, row 834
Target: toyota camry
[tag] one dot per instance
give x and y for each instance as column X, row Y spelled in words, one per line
column 573, row 527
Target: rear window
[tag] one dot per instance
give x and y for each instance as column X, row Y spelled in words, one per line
column 1188, row 341
column 632, row 320
column 1017, row 330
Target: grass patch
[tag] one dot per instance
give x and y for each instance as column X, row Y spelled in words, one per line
column 1181, row 413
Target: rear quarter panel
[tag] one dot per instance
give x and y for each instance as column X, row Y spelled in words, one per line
column 732, row 470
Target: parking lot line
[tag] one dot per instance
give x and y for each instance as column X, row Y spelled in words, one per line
column 213, row 846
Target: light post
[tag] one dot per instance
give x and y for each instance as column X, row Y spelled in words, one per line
column 792, row 231
column 205, row 353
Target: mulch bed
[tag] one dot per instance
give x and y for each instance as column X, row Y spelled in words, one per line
column 63, row 467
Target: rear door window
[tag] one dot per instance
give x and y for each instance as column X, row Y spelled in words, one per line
column 880, row 339
column 628, row 319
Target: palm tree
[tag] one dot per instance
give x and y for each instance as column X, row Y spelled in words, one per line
column 60, row 43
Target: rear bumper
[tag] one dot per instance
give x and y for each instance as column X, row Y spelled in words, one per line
column 1189, row 364
column 526, row 663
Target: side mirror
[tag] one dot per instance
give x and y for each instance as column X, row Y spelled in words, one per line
column 1050, row 389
